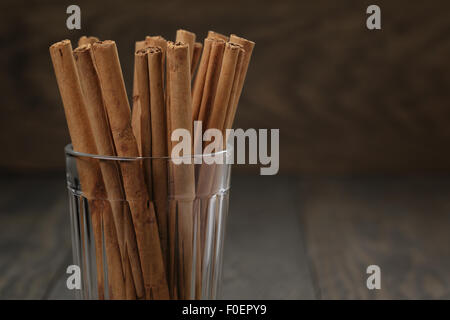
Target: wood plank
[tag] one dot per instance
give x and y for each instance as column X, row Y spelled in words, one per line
column 264, row 251
column 400, row 224
column 34, row 236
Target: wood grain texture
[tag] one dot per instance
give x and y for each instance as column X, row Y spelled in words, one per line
column 399, row 224
column 346, row 99
column 264, row 254
column 286, row 239
column 34, row 236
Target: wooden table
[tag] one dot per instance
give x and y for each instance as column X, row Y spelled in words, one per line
column 287, row 238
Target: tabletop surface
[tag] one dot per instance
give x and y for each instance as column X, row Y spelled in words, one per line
column 287, row 238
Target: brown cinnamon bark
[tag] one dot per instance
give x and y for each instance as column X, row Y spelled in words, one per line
column 216, row 120
column 184, row 184
column 116, row 278
column 97, row 222
column 210, row 85
column 222, row 100
column 87, row 40
column 82, row 140
column 248, row 46
column 142, row 210
column 158, row 144
column 136, row 110
column 199, row 83
column 157, row 41
column 211, row 80
column 188, row 38
column 130, row 289
column 233, row 102
column 145, row 141
column 196, row 57
column 224, row 86
column 172, row 216
column 216, row 35
column 111, row 174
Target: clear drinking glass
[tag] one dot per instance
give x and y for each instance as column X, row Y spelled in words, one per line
column 148, row 236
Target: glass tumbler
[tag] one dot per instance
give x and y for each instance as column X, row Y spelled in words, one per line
column 148, row 228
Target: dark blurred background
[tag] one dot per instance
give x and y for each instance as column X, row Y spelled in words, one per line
column 364, row 135
column 346, row 99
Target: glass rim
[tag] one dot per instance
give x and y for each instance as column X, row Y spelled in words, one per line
column 68, row 149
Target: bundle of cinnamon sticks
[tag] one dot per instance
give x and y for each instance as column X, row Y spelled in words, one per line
column 142, row 209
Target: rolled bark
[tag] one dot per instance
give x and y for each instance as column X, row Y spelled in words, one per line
column 130, row 289
column 136, row 110
column 216, row 35
column 97, row 225
column 234, row 98
column 188, row 38
column 113, row 257
column 158, row 144
column 248, row 46
column 82, row 140
column 196, row 57
column 210, row 85
column 142, row 210
column 111, row 174
column 199, row 83
column 171, row 219
column 184, row 183
column 158, row 41
column 211, row 80
column 207, row 173
column 84, row 40
column 224, row 87
column 145, row 141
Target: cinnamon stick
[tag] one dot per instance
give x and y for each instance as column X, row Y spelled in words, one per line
column 87, row 40
column 157, row 41
column 184, row 188
column 188, row 38
column 209, row 178
column 100, row 127
column 196, row 57
column 199, row 83
column 224, row 86
column 144, row 143
column 97, row 225
column 142, row 210
column 82, row 140
column 224, row 96
column 113, row 257
column 217, row 35
column 211, row 79
column 206, row 175
column 136, row 110
column 130, row 289
column 172, row 216
column 232, row 104
column 248, row 47
column 158, row 144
